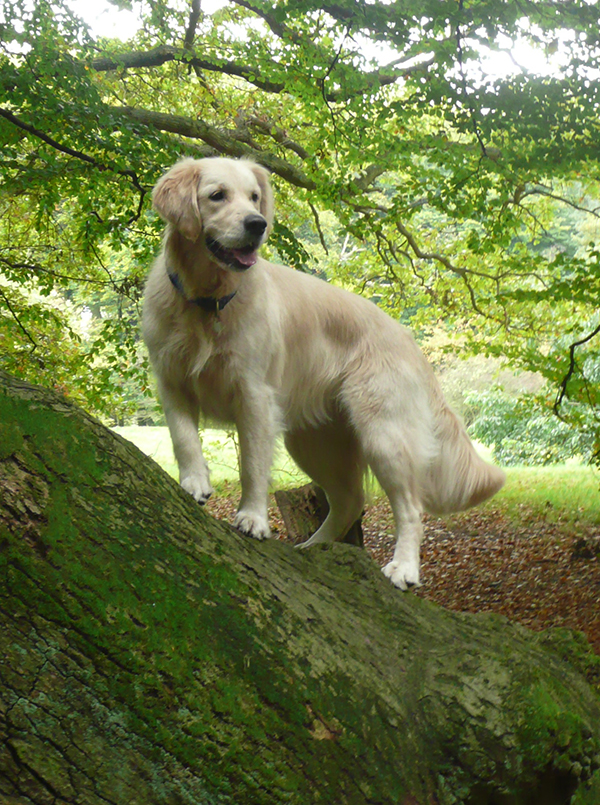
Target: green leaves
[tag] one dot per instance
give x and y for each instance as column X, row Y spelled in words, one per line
column 525, row 431
column 402, row 169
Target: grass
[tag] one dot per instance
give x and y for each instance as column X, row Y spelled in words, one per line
column 563, row 492
column 569, row 493
column 220, row 451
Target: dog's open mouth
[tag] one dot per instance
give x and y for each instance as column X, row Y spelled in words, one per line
column 238, row 259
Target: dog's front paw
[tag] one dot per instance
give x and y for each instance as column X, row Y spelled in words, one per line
column 403, row 574
column 253, row 525
column 198, row 486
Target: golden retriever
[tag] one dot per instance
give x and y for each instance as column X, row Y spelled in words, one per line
column 241, row 340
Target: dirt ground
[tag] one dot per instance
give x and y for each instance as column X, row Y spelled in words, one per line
column 535, row 572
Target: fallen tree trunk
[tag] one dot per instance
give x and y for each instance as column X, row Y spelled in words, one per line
column 150, row 654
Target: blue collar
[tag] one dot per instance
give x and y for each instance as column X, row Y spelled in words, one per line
column 207, row 303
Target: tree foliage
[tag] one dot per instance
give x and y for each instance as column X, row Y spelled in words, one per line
column 520, row 431
column 405, row 169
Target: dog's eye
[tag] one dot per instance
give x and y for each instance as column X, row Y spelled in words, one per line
column 218, row 195
column 255, row 196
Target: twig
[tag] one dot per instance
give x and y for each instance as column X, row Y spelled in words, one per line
column 18, row 321
column 563, row 386
column 538, row 190
column 36, row 268
column 315, row 213
column 459, row 48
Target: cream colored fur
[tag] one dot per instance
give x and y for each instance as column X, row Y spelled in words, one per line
column 345, row 383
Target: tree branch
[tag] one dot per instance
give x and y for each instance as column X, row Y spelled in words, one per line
column 280, row 30
column 190, row 33
column 221, row 142
column 166, row 53
column 540, row 190
column 468, row 102
column 279, row 135
column 463, row 273
column 163, row 54
column 369, row 175
column 565, row 382
column 410, row 238
column 36, row 268
column 65, row 149
column 21, row 326
column 315, row 213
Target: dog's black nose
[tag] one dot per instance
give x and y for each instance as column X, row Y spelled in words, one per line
column 255, row 224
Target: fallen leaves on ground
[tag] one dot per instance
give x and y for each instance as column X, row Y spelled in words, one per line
column 537, row 572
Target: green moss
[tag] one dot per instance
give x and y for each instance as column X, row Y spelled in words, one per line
column 228, row 671
column 588, row 794
column 11, row 438
column 575, row 649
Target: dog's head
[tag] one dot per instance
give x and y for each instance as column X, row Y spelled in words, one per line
column 227, row 203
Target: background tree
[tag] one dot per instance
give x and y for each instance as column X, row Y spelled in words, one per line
column 404, row 167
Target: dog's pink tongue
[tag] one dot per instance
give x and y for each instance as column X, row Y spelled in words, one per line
column 245, row 258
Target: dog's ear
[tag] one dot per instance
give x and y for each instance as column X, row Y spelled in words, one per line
column 266, row 194
column 175, row 198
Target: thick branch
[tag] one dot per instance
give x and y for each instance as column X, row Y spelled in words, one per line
column 222, row 142
column 190, row 33
column 152, row 655
column 369, row 175
column 166, row 53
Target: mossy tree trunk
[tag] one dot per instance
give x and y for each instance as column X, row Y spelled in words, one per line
column 150, row 654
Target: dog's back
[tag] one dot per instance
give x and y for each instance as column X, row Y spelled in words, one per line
column 345, row 356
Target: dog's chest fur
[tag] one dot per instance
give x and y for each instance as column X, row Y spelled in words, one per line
column 216, row 388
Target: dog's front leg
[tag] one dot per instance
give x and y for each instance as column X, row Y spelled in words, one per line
column 257, row 427
column 182, row 411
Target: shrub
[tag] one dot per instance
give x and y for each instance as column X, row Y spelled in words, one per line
column 521, row 431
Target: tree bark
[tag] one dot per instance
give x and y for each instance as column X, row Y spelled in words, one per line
column 304, row 509
column 150, row 654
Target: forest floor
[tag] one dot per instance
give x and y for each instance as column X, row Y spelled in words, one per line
column 539, row 572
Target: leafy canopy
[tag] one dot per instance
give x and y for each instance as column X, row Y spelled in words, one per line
column 403, row 170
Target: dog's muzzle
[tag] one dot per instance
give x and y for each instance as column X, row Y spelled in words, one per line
column 245, row 256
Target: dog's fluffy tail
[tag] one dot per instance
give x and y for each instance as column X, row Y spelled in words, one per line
column 458, row 477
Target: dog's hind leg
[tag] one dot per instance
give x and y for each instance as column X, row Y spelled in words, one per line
column 330, row 455
column 391, row 464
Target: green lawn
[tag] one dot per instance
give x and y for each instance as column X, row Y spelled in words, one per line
column 220, row 451
column 569, row 493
